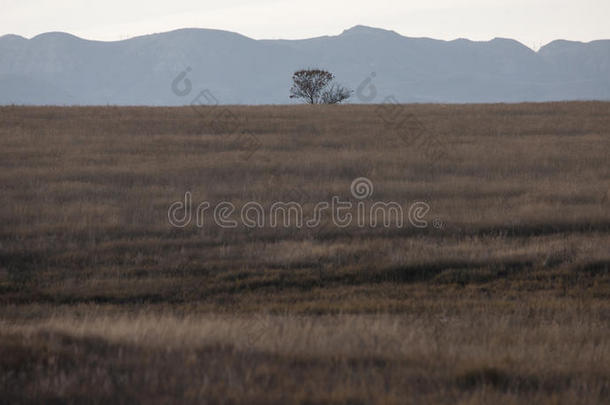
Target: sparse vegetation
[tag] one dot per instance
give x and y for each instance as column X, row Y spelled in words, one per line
column 315, row 86
column 506, row 301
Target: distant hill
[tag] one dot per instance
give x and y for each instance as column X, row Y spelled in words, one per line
column 58, row 68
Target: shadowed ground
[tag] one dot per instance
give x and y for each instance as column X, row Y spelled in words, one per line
column 502, row 297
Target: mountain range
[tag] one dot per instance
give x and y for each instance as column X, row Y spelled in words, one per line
column 174, row 68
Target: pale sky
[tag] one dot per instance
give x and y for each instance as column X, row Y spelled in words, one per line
column 532, row 22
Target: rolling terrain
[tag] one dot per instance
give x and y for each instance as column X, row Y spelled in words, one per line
column 503, row 296
column 57, row 68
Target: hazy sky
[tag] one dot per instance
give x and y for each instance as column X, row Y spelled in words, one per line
column 533, row 22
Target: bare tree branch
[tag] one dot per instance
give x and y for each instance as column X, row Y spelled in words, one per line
column 311, row 85
column 335, row 94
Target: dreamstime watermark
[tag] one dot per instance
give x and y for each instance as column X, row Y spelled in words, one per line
column 397, row 118
column 219, row 119
column 291, row 214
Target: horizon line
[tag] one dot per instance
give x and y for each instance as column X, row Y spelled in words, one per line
column 355, row 27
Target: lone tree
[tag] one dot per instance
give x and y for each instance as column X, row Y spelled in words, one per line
column 315, row 86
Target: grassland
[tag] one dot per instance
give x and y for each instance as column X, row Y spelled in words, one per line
column 503, row 297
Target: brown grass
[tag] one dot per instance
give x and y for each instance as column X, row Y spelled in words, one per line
column 507, row 301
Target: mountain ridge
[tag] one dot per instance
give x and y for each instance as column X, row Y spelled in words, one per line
column 354, row 29
column 60, row 68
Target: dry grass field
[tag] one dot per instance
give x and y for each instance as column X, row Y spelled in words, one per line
column 504, row 297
